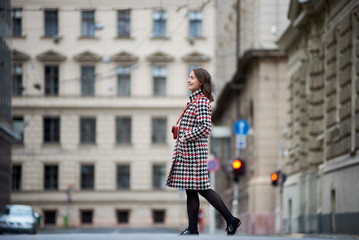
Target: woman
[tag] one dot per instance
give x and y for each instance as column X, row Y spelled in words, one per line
column 189, row 165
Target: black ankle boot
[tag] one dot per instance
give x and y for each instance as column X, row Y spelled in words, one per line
column 188, row 232
column 232, row 228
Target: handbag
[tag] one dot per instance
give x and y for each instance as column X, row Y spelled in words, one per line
column 174, row 132
column 175, row 127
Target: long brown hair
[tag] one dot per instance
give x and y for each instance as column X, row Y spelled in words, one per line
column 205, row 78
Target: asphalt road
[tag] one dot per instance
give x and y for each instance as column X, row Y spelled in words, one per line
column 150, row 234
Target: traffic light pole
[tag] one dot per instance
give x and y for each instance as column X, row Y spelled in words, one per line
column 278, row 210
column 235, row 190
column 235, row 199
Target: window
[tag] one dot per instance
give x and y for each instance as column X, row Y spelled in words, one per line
column 87, row 177
column 122, row 216
column 86, row 216
column 123, row 177
column 159, row 24
column 195, row 24
column 123, row 130
column 88, row 80
column 159, row 176
column 191, row 67
column 49, row 217
column 159, row 74
column 51, row 23
column 88, row 23
column 16, row 16
column 158, row 216
column 123, row 24
column 123, row 81
column 51, row 130
column 159, row 129
column 17, row 87
column 19, row 125
column 88, row 130
column 51, row 177
column 16, row 178
column 52, row 80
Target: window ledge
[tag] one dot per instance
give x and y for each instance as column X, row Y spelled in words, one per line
column 160, row 38
column 196, row 38
column 123, row 145
column 88, row 38
column 51, row 145
column 87, row 145
column 51, row 37
column 124, row 38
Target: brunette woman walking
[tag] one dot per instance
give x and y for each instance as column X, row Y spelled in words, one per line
column 189, row 161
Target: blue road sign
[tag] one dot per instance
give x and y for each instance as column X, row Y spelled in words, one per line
column 241, row 141
column 241, row 127
column 213, row 165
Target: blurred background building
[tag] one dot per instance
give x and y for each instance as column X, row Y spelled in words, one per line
column 256, row 92
column 97, row 87
column 321, row 191
column 6, row 133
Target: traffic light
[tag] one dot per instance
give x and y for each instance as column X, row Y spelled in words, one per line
column 274, row 178
column 277, row 177
column 238, row 166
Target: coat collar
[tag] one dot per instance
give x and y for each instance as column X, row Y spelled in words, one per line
column 195, row 94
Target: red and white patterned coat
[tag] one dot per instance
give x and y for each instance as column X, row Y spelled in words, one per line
column 189, row 161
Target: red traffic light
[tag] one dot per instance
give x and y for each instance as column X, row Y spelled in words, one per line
column 236, row 164
column 274, row 177
column 238, row 168
column 278, row 178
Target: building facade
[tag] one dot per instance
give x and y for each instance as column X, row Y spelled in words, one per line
column 96, row 90
column 256, row 93
column 320, row 194
column 6, row 133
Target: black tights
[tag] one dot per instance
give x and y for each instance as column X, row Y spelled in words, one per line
column 193, row 207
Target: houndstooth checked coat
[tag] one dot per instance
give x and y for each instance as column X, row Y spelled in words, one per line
column 189, row 161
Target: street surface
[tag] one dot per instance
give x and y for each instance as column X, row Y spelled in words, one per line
column 150, row 234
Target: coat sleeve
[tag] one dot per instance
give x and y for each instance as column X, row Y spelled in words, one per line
column 203, row 118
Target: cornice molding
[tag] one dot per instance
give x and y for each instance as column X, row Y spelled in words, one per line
column 19, row 56
column 124, row 57
column 290, row 35
column 159, row 57
column 51, row 56
column 195, row 57
column 87, row 56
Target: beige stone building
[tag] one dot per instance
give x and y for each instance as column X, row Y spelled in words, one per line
column 97, row 87
column 321, row 192
column 257, row 92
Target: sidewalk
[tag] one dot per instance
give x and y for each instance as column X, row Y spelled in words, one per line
column 323, row 235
